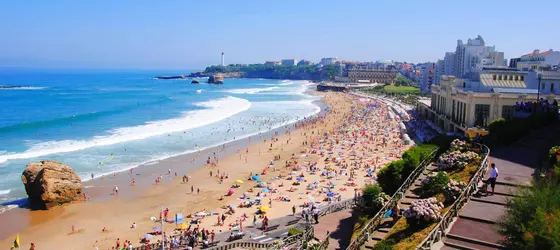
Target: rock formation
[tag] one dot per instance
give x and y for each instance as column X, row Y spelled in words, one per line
column 216, row 78
column 50, row 183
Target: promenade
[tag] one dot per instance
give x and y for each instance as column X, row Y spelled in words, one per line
column 475, row 228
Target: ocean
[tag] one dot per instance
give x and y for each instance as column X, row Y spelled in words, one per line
column 101, row 122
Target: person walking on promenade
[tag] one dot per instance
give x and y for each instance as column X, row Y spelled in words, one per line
column 492, row 179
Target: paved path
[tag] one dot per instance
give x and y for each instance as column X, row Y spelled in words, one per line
column 340, row 225
column 475, row 228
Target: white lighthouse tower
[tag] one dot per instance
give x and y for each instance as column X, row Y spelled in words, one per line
column 223, row 64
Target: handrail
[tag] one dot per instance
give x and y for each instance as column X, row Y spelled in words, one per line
column 439, row 230
column 325, row 243
column 294, row 239
column 376, row 220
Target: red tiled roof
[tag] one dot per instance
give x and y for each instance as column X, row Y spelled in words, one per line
column 539, row 54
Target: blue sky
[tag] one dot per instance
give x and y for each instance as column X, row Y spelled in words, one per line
column 192, row 34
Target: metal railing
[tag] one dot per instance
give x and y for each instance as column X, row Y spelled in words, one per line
column 376, row 220
column 439, row 230
column 325, row 243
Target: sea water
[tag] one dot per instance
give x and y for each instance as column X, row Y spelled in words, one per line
column 100, row 122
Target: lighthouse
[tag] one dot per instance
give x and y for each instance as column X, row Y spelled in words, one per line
column 223, row 64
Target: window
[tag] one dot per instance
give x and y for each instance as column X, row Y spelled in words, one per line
column 521, row 78
column 510, row 77
column 507, row 112
column 481, row 114
column 517, row 78
column 543, row 84
column 500, row 77
column 494, row 77
column 551, row 87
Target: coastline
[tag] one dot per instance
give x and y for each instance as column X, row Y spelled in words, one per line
column 100, row 189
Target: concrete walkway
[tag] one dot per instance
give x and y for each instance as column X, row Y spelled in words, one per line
column 340, row 225
column 475, row 228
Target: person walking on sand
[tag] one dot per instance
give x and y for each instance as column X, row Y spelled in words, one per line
column 192, row 189
column 492, row 179
column 294, row 210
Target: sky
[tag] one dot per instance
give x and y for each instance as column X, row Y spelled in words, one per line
column 185, row 34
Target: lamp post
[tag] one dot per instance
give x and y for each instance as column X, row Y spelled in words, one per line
column 539, row 77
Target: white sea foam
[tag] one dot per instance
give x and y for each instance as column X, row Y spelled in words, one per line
column 213, row 111
column 5, row 192
column 23, row 88
column 249, row 91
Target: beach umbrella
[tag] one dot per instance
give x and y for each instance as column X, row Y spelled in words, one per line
column 201, row 214
column 255, row 177
column 239, row 181
column 264, row 208
column 265, row 190
column 156, row 229
column 181, row 226
column 300, row 179
column 148, row 236
column 331, row 194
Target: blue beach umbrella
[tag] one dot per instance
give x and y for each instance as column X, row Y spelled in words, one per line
column 265, row 190
column 330, row 194
column 300, row 179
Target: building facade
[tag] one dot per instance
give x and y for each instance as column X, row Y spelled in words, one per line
column 329, row 60
column 289, row 62
column 473, row 56
column 366, row 74
column 538, row 60
column 272, row 63
column 427, row 76
column 469, row 105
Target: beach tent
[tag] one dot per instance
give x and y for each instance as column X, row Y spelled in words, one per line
column 255, row 177
column 264, row 208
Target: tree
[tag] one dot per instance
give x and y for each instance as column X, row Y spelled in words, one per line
column 532, row 220
column 371, row 194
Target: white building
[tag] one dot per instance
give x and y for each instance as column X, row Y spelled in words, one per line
column 469, row 105
column 329, row 60
column 289, row 62
column 427, row 74
column 474, row 55
column 538, row 60
column 439, row 70
column 448, row 63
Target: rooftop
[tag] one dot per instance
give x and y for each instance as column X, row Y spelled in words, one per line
column 515, row 91
column 487, row 80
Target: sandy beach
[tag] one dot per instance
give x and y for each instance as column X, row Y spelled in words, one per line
column 319, row 161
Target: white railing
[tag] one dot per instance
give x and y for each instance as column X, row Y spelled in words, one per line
column 439, row 230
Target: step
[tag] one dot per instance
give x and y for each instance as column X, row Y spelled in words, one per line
column 432, row 167
column 480, row 243
column 370, row 244
column 410, row 194
column 497, row 199
column 482, row 211
column 484, row 232
column 408, row 200
column 377, row 235
column 501, row 189
column 463, row 245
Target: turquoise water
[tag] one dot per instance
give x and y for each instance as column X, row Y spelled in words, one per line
column 102, row 122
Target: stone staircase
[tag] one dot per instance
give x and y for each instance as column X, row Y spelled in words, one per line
column 475, row 228
column 409, row 196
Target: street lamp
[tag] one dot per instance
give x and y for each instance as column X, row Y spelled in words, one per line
column 539, row 76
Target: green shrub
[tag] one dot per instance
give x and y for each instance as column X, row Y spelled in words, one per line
column 390, row 177
column 443, row 142
column 496, row 125
column 433, row 185
column 385, row 245
column 371, row 193
column 294, row 231
column 532, row 220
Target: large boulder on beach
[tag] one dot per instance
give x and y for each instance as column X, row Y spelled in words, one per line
column 50, row 183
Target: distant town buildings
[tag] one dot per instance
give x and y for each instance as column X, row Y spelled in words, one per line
column 368, row 74
column 304, row 62
column 289, row 62
column 329, row 61
column 272, row 63
column 427, row 76
column 538, row 60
